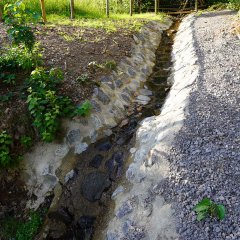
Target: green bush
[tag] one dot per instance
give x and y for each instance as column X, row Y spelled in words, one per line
column 45, row 106
column 234, row 4
column 17, row 58
column 18, row 18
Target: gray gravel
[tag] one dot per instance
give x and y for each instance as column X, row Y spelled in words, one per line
column 205, row 158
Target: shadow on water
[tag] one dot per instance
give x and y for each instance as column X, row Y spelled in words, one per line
column 85, row 205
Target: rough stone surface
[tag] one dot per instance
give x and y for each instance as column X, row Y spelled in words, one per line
column 115, row 93
column 94, row 185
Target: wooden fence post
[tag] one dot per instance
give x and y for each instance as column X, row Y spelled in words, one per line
column 156, row 6
column 131, row 7
column 107, row 8
column 43, row 11
column 139, row 6
column 196, row 5
column 72, row 9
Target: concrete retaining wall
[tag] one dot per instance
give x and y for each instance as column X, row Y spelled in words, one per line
column 109, row 108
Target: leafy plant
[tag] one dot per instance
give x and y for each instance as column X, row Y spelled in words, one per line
column 206, row 207
column 110, row 65
column 12, row 228
column 18, row 17
column 26, row 141
column 45, row 106
column 84, row 109
column 6, row 97
column 19, row 58
column 83, row 78
column 8, row 78
column 27, row 230
column 5, row 144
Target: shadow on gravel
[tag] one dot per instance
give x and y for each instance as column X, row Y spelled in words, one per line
column 205, row 159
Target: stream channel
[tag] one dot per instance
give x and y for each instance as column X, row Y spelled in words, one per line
column 85, row 206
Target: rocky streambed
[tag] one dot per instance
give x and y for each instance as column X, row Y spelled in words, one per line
column 84, row 205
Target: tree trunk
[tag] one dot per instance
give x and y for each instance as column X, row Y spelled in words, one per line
column 72, row 9
column 107, row 8
column 139, row 6
column 43, row 11
column 1, row 12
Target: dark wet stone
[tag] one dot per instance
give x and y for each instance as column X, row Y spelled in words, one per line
column 105, row 79
column 131, row 72
column 96, row 106
column 124, row 139
column 125, row 97
column 115, row 166
column 126, row 91
column 118, row 83
column 102, row 97
column 83, row 229
column 96, row 161
column 104, row 146
column 62, row 215
column 111, row 85
column 94, row 185
column 118, row 157
column 86, row 222
column 73, row 136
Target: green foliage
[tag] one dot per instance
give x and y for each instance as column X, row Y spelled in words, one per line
column 8, row 78
column 206, row 207
column 84, row 109
column 18, row 17
column 27, row 230
column 18, row 230
column 110, row 65
column 19, row 58
column 26, row 141
column 6, row 97
column 234, row 4
column 5, row 144
column 45, row 106
column 83, row 78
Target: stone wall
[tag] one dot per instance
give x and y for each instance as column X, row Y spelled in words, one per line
column 140, row 210
column 109, row 101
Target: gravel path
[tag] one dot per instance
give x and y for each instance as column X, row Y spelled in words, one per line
column 205, row 159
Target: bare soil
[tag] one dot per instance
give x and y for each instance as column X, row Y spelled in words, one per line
column 70, row 49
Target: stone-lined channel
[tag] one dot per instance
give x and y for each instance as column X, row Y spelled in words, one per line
column 85, row 204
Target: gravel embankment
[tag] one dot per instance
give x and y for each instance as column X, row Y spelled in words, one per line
column 205, row 158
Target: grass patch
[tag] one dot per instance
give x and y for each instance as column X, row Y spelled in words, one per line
column 112, row 24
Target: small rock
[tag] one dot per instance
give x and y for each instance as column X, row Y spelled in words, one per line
column 96, row 161
column 105, row 146
column 62, row 215
column 94, row 185
column 124, row 123
column 143, row 98
column 69, row 175
column 145, row 92
column 118, row 190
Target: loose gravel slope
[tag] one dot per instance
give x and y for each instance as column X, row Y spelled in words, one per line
column 205, row 158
